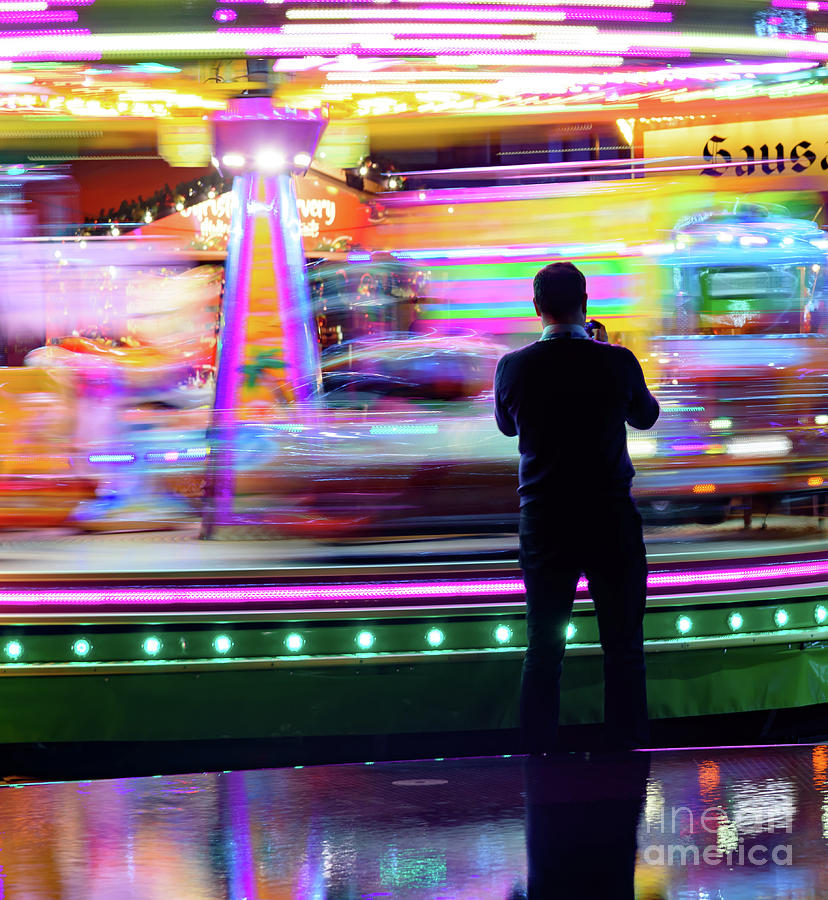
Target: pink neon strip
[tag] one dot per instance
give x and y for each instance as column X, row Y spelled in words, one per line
column 47, row 32
column 38, row 17
column 726, row 747
column 329, row 593
column 440, row 4
column 615, row 15
column 800, row 4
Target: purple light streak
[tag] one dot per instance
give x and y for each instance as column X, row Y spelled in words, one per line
column 234, row 316
column 723, row 747
column 49, row 32
column 810, row 5
column 421, row 590
column 300, row 346
column 437, row 5
column 37, row 17
column 615, row 15
column 273, row 42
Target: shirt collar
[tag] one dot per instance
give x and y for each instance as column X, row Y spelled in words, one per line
column 553, row 331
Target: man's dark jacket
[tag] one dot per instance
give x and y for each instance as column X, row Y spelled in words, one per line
column 568, row 399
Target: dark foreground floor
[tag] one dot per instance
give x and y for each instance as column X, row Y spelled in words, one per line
column 710, row 824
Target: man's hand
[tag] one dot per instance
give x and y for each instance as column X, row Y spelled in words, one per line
column 598, row 331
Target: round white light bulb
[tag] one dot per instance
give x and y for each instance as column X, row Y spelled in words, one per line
column 503, row 634
column 233, row 160
column 294, row 642
column 365, row 640
column 435, row 637
column 270, row 160
column 222, row 643
column 152, row 646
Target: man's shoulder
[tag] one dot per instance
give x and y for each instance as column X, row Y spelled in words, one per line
column 516, row 356
column 616, row 352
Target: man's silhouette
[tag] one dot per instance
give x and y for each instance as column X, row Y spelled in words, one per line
column 568, row 398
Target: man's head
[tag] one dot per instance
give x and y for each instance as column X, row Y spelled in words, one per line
column 560, row 294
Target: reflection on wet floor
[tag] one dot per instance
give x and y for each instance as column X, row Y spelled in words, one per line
column 710, row 824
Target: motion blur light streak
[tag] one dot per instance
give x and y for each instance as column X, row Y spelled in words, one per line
column 393, row 590
column 111, row 457
column 37, row 18
column 770, row 445
column 79, row 43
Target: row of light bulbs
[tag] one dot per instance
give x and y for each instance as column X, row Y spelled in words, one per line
column 735, row 621
column 223, row 643
column 435, row 637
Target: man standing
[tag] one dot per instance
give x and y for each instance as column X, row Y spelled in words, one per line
column 568, row 397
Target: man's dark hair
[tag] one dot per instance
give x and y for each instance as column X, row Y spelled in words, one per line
column 559, row 289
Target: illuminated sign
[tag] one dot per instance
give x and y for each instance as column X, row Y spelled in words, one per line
column 325, row 213
column 771, row 147
column 212, row 217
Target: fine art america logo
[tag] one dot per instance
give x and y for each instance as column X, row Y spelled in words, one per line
column 748, row 836
column 769, row 159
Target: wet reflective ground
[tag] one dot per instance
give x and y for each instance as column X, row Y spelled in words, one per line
column 710, row 824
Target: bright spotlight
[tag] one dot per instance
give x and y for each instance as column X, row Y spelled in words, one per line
column 302, row 160
column 270, row 160
column 233, row 160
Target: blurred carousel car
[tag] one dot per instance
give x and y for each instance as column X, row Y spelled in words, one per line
column 434, row 366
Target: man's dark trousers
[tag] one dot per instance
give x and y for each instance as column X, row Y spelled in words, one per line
column 601, row 537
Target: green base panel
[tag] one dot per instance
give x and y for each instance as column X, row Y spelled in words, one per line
column 437, row 695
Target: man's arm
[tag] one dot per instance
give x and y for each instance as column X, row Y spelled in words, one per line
column 503, row 417
column 644, row 409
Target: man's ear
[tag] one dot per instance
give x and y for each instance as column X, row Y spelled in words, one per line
column 537, row 308
column 584, row 304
